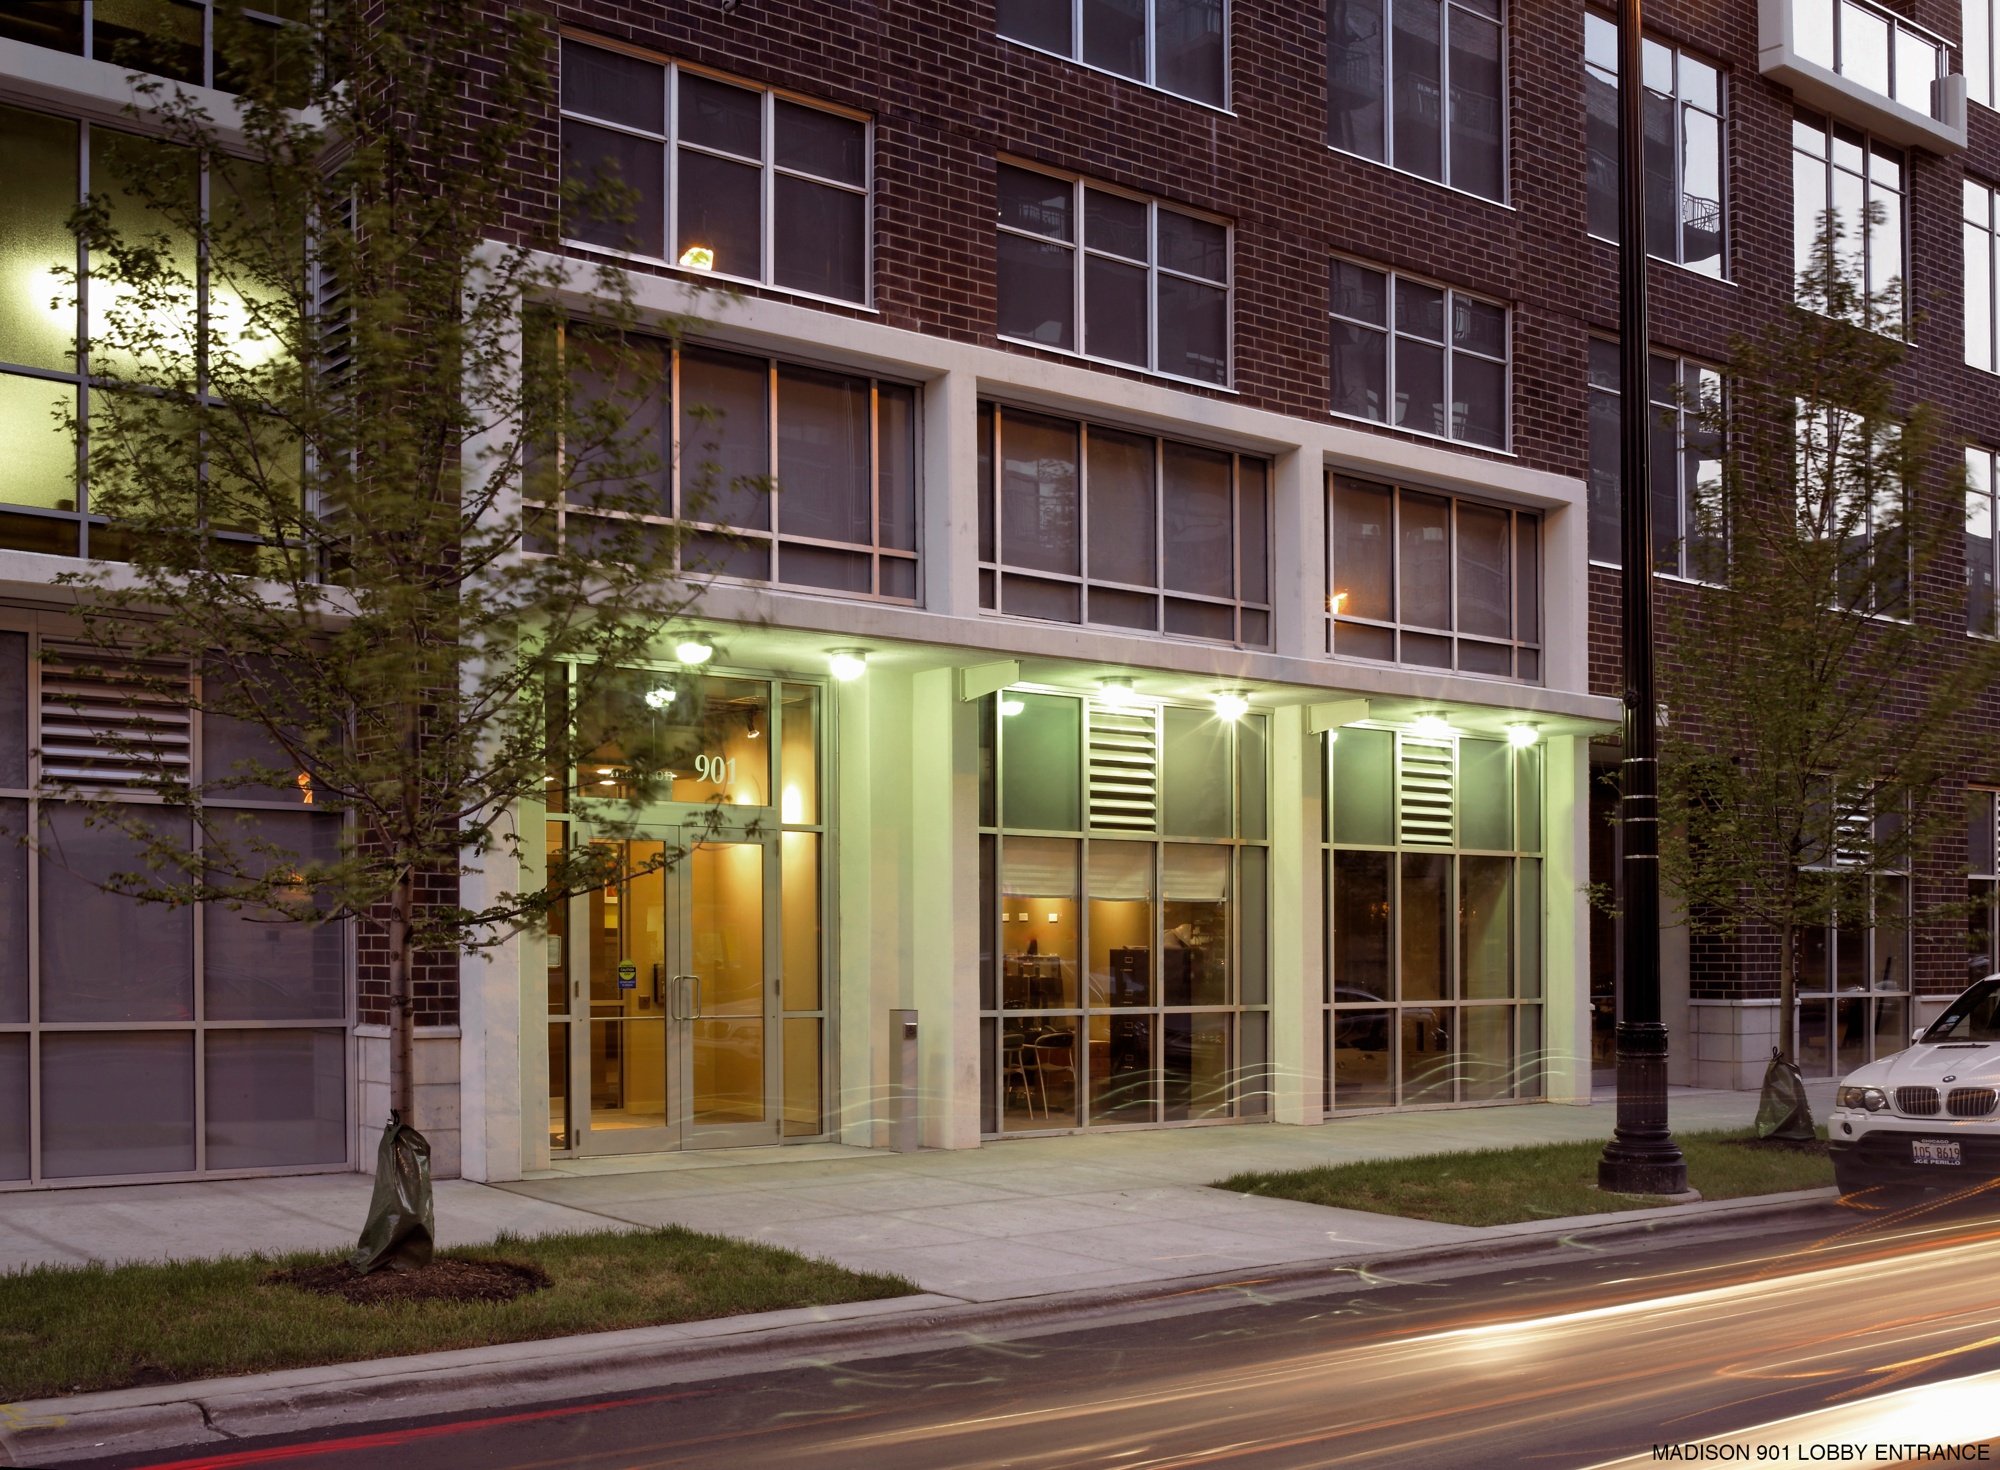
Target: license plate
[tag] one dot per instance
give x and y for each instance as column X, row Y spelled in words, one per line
column 1934, row 1151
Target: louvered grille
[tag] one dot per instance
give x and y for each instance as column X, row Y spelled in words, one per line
column 101, row 726
column 1424, row 799
column 1969, row 1102
column 1918, row 1102
column 1124, row 769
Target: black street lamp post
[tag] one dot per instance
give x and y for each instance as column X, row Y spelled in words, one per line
column 1642, row 1157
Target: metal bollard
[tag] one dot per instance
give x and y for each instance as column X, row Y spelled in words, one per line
column 903, row 1121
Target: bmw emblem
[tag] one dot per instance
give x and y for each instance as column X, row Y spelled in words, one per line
column 1951, row 1077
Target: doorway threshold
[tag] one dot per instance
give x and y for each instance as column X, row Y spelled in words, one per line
column 705, row 1158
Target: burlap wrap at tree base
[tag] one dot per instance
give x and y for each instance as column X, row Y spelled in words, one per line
column 401, row 1225
column 1782, row 1111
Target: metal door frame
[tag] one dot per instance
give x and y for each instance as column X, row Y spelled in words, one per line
column 706, row 831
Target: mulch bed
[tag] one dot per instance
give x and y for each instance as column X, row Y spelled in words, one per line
column 1780, row 1145
column 443, row 1280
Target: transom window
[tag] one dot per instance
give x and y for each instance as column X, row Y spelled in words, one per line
column 1431, row 580
column 717, row 176
column 1179, row 46
column 1082, row 523
column 1420, row 357
column 1138, row 283
column 1421, row 85
column 1860, row 182
column 1684, row 173
column 1686, row 463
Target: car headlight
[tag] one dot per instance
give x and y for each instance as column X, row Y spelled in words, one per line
column 1868, row 1099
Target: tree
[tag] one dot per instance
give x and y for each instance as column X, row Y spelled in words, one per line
column 324, row 383
column 1820, row 685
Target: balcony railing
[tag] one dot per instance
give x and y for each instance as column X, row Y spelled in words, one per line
column 1867, row 66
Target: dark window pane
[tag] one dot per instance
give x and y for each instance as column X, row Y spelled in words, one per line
column 117, row 1102
column 1479, row 326
column 1253, row 545
column 1354, row 76
column 1426, row 650
column 1484, row 581
column 719, row 556
column 1605, row 516
column 1478, row 114
column 1195, row 783
column 1199, row 549
column 1420, row 311
column 159, row 36
column 14, row 1104
column 986, row 420
column 1363, row 1048
column 1114, row 36
column 1359, row 640
column 1662, row 193
column 1364, row 786
column 1528, row 578
column 13, row 912
column 1418, row 88
column 1124, row 609
column 1426, row 915
column 1031, row 597
column 721, row 212
column 1113, row 223
column 1188, row 48
column 1496, row 659
column 1420, row 387
column 1600, row 161
column 613, row 86
column 819, row 239
column 899, row 578
column 275, row 1098
column 1424, row 566
column 619, row 457
column 1194, row 330
column 1043, row 23
column 1041, row 776
column 1253, row 806
column 1256, row 628
column 1034, row 202
column 45, row 534
column 1201, row 620
column 1360, row 371
column 1479, row 400
column 1039, row 494
column 14, row 712
column 824, row 475
column 1122, row 1080
column 1114, row 310
column 1358, row 293
column 625, row 199
column 1361, row 950
column 56, row 24
column 1363, row 573
column 1123, row 498
column 1197, row 246
column 822, row 143
column 725, row 438
column 106, row 957
column 717, row 115
column 896, row 408
column 1037, row 289
column 821, row 566
column 256, row 966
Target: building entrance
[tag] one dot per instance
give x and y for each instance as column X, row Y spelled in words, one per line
column 674, row 995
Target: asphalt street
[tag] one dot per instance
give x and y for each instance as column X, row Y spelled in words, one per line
column 1587, row 1359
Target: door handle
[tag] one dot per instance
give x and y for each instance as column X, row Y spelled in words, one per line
column 680, row 988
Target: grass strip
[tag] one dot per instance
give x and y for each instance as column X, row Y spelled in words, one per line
column 67, row 1329
column 1541, row 1182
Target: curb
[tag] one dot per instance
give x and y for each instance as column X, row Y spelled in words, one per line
column 597, row 1365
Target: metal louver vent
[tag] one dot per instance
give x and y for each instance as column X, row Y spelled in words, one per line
column 1124, row 769
column 101, row 727
column 1423, row 806
column 1851, row 839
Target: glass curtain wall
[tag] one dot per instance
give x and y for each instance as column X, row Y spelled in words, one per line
column 1433, row 872
column 138, row 1040
column 1124, row 879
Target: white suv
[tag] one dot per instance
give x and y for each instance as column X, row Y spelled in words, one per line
column 1928, row 1117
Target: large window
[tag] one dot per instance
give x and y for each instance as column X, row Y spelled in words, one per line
column 1880, row 50
column 185, row 40
column 1981, row 539
column 138, row 1039
column 1854, row 977
column 715, row 175
column 1149, row 285
column 1684, row 170
column 1432, row 581
column 1686, row 463
column 1434, row 918
column 1179, row 46
column 1847, row 484
column 1417, row 356
column 1860, row 183
column 1081, row 523
column 1421, row 85
column 1982, row 891
column 794, row 474
column 1124, row 913
column 1982, row 299
column 45, row 383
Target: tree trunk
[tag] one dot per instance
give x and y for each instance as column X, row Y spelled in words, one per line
column 1788, row 986
column 402, row 1018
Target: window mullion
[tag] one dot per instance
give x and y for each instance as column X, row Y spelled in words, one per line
column 670, row 159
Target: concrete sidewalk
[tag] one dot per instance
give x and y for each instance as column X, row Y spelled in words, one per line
column 1013, row 1219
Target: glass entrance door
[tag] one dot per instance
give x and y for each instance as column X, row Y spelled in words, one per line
column 627, row 1072
column 728, row 990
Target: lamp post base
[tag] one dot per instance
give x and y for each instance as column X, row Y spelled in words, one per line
column 1642, row 1157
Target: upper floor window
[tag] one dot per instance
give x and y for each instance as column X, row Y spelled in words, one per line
column 1684, row 213
column 1878, row 49
column 1420, row 357
column 1080, row 523
column 1858, row 183
column 1111, row 275
column 1178, row 46
column 1980, row 72
column 1685, row 463
column 1980, row 540
column 194, row 41
column 1421, row 85
column 1849, row 492
column 1432, row 580
column 1982, row 319
column 714, row 175
column 791, row 474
